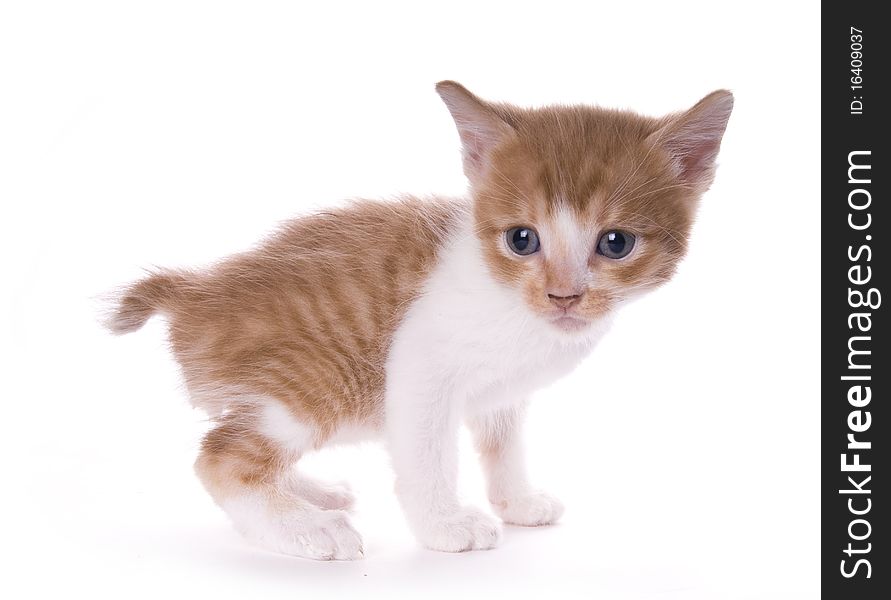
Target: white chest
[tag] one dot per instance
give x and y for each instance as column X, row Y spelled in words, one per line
column 475, row 337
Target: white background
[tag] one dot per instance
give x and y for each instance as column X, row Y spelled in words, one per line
column 172, row 133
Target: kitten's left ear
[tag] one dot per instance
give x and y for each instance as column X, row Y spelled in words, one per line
column 480, row 127
column 693, row 138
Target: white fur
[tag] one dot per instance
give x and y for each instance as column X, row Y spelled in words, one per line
column 468, row 348
column 568, row 243
column 509, row 491
column 291, row 525
column 278, row 424
column 351, row 433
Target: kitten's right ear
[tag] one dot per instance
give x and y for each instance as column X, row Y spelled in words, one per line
column 480, row 127
column 693, row 138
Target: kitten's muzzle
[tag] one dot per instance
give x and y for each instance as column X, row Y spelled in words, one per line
column 564, row 316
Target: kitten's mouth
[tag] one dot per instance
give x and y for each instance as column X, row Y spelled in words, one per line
column 568, row 322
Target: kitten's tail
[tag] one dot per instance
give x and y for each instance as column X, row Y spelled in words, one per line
column 137, row 303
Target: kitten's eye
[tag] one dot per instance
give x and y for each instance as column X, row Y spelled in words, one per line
column 522, row 240
column 615, row 244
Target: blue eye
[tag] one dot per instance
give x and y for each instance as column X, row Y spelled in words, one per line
column 522, row 240
column 615, row 244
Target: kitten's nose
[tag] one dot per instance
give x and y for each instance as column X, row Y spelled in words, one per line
column 564, row 301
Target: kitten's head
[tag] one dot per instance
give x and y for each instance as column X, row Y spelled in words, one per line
column 580, row 208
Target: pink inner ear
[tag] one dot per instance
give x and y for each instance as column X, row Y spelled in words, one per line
column 480, row 128
column 694, row 138
column 478, row 138
column 473, row 151
column 698, row 159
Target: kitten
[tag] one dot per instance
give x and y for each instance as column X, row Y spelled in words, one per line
column 401, row 320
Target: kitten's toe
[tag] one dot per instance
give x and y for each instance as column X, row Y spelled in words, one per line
column 333, row 537
column 347, row 541
column 462, row 530
column 325, row 535
column 531, row 510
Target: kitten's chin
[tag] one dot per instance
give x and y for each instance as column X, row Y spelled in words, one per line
column 570, row 324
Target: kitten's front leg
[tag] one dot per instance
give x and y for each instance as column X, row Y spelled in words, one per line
column 498, row 439
column 423, row 431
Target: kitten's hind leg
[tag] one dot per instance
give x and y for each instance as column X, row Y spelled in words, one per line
column 246, row 465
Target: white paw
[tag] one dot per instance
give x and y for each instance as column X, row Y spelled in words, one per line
column 532, row 509
column 320, row 535
column 465, row 529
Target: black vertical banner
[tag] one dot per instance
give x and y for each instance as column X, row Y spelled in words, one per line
column 856, row 368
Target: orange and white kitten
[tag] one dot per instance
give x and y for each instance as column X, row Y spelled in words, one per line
column 401, row 320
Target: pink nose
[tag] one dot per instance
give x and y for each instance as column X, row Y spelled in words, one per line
column 564, row 301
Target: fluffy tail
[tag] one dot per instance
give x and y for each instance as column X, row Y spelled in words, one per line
column 141, row 300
